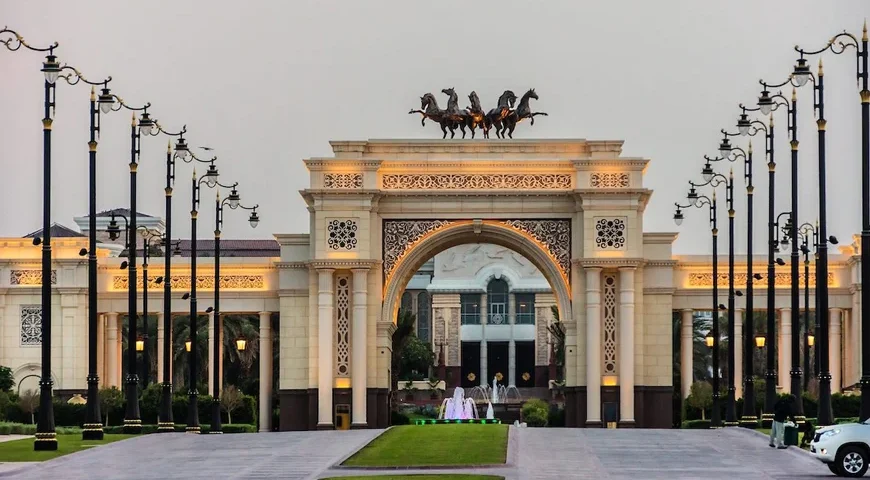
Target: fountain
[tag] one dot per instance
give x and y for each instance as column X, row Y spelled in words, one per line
column 458, row 407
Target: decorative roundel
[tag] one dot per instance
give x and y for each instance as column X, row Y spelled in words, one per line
column 471, row 377
column 526, row 376
column 342, row 234
column 610, row 233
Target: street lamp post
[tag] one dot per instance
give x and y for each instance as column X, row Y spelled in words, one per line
column 838, row 45
column 165, row 422
column 698, row 201
column 714, row 180
column 233, row 201
column 768, row 103
column 148, row 237
column 210, row 179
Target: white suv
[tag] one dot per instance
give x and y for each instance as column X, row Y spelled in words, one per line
column 845, row 448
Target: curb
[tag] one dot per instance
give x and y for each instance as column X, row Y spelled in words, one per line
column 799, row 451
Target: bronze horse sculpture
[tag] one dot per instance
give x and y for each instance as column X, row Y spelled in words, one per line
column 503, row 117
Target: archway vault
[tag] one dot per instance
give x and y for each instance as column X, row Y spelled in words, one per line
column 408, row 244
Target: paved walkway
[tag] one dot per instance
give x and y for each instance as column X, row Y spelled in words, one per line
column 536, row 454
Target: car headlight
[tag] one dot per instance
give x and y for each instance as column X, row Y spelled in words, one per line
column 829, row 433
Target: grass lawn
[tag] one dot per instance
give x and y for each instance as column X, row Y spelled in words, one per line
column 426, row 445
column 420, row 477
column 22, row 450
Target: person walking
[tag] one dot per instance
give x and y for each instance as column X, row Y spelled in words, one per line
column 782, row 410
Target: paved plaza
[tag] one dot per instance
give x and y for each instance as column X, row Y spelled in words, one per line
column 535, row 454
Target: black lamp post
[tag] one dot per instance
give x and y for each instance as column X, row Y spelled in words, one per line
column 766, row 104
column 210, row 179
column 698, row 201
column 165, row 422
column 233, row 201
column 148, row 237
column 839, row 44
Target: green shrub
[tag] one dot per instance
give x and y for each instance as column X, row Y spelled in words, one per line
column 846, row 405
column 535, row 412
column 399, row 418
column 5, row 428
column 696, row 424
column 239, row 428
column 68, row 430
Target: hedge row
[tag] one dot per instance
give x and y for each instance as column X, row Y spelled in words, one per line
column 842, row 405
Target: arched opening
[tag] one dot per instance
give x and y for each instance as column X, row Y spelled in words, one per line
column 483, row 320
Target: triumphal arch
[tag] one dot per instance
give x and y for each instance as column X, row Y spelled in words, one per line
column 379, row 209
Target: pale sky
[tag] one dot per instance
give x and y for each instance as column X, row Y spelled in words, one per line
column 268, row 83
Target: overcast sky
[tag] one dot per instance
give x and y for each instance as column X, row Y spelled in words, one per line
column 267, row 84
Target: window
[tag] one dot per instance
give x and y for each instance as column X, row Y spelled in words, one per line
column 497, row 299
column 525, row 309
column 470, row 308
column 423, row 326
column 406, row 302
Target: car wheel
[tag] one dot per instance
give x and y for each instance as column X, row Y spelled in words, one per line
column 851, row 461
column 833, row 468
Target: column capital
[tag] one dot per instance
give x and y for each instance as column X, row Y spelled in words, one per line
column 360, row 269
column 324, row 269
column 628, row 268
column 592, row 268
column 684, row 310
column 264, row 313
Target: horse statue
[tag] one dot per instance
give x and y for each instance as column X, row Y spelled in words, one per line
column 457, row 117
column 497, row 115
column 476, row 117
column 429, row 109
column 522, row 112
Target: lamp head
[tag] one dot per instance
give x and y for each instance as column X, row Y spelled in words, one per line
column 801, row 72
column 811, row 340
column 124, row 265
column 241, row 344
column 83, row 252
column 140, row 344
column 209, row 309
column 114, row 229
column 185, row 296
column 106, row 100
column 743, row 124
column 722, row 307
column 833, row 240
column 37, row 241
column 51, row 68
column 158, row 280
column 725, row 148
column 757, row 276
column 187, row 346
column 692, row 196
column 678, row 217
column 765, row 102
column 759, row 341
column 146, row 124
column 707, row 172
column 738, row 293
column 211, row 175
column 234, row 198
column 181, row 150
column 709, row 340
column 254, row 219
column 780, row 262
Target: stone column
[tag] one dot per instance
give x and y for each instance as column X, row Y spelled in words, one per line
column 855, row 338
column 101, row 349
column 834, row 353
column 113, row 352
column 484, row 308
column 265, row 372
column 626, row 346
column 325, row 352
column 738, row 353
column 784, row 376
column 512, row 344
column 359, row 348
column 161, row 338
column 593, row 347
column 687, row 347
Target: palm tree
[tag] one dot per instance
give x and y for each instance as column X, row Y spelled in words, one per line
column 181, row 357
column 557, row 331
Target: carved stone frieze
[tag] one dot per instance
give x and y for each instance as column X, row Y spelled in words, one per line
column 553, row 235
column 705, row 279
column 205, row 282
column 609, row 180
column 31, row 325
column 29, row 277
column 477, row 181
column 342, row 180
column 400, row 236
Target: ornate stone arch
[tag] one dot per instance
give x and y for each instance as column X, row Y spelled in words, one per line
column 435, row 236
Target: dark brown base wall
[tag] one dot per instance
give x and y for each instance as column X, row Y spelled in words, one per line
column 298, row 407
column 652, row 406
column 542, row 376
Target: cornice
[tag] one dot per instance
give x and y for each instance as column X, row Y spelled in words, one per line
column 318, row 163
column 479, row 167
column 292, row 292
column 71, row 290
column 659, row 291
column 291, row 265
column 660, row 263
column 476, row 193
column 343, row 264
column 607, row 262
column 622, row 162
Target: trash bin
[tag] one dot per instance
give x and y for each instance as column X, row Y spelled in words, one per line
column 791, row 434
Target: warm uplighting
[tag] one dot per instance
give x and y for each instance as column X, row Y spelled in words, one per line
column 140, row 345
column 709, row 341
column 187, row 346
column 241, row 344
column 759, row 341
column 811, row 340
column 609, row 380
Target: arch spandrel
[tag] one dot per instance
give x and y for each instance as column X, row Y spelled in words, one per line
column 450, row 233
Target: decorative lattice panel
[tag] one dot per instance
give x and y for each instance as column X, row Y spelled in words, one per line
column 342, row 180
column 29, row 277
column 342, row 326
column 31, row 325
column 610, row 233
column 401, row 235
column 609, row 329
column 554, row 235
column 477, row 181
column 608, row 180
column 341, row 234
